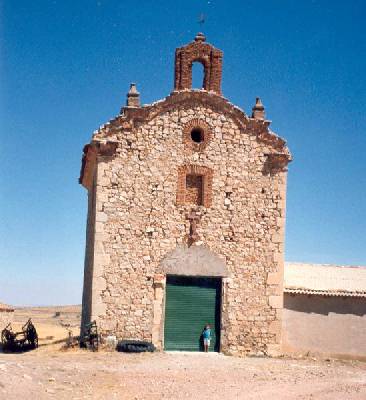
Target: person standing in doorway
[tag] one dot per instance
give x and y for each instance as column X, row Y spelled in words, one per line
column 206, row 337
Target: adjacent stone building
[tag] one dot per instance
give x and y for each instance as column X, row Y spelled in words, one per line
column 325, row 310
column 186, row 216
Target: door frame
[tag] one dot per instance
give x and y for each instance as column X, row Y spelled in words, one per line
column 220, row 291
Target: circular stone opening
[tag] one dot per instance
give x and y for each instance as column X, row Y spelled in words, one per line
column 197, row 135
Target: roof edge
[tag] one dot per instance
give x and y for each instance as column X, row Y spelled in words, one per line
column 335, row 293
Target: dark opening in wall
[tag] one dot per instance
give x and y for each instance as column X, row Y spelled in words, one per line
column 197, row 135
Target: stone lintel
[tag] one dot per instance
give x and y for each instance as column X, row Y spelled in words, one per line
column 194, row 261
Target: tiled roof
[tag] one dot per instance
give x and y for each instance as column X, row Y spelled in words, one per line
column 325, row 279
column 325, row 292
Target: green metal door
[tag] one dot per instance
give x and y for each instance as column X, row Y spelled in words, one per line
column 190, row 304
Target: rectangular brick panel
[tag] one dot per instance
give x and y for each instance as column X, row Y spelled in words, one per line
column 194, row 189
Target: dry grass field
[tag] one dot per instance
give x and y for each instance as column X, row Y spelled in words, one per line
column 51, row 372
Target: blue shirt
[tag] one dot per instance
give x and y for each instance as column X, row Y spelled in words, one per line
column 206, row 333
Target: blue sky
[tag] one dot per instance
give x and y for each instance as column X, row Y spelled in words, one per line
column 66, row 67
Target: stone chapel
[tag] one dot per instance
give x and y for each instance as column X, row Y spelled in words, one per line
column 186, row 218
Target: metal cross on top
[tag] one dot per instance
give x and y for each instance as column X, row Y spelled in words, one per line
column 193, row 235
column 201, row 19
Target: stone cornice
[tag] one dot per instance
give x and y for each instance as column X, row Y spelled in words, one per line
column 131, row 118
column 276, row 162
column 90, row 154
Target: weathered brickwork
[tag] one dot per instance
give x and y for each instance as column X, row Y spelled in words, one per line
column 185, row 194
column 136, row 170
column 201, row 52
column 196, row 134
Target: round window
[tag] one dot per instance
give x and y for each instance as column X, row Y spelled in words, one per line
column 197, row 135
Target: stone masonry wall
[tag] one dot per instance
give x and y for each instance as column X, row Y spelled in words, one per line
column 138, row 222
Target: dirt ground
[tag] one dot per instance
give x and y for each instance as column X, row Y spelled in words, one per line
column 52, row 373
column 49, row 373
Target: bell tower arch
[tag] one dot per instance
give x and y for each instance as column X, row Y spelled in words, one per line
column 204, row 53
